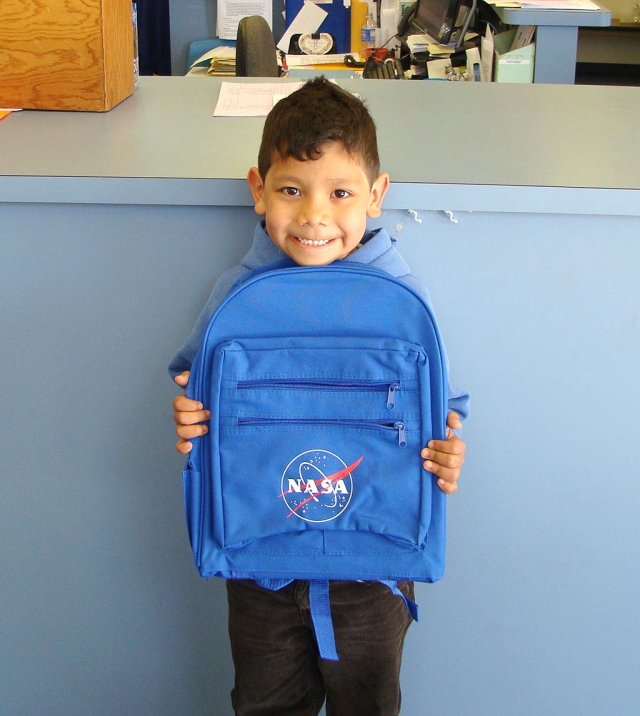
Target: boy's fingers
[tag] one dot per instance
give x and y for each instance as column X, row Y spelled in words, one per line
column 190, row 418
column 188, row 415
column 186, row 432
column 454, row 446
column 182, row 379
column 447, row 477
column 183, row 446
column 182, row 403
column 448, row 487
column 444, row 458
column 448, row 460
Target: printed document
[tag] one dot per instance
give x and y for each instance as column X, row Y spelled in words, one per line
column 230, row 12
column 305, row 60
column 245, row 99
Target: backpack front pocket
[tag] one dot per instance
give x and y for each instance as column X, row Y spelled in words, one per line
column 320, row 435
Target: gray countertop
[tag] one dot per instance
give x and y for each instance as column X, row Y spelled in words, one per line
column 492, row 147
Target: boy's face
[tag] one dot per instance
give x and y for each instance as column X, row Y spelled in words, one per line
column 316, row 210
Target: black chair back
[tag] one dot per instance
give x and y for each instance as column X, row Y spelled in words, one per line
column 255, row 49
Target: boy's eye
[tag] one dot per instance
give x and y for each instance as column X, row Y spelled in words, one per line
column 341, row 193
column 290, row 191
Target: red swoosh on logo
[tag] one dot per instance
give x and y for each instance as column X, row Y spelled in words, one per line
column 334, row 478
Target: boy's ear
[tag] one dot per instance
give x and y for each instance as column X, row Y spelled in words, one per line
column 378, row 190
column 257, row 189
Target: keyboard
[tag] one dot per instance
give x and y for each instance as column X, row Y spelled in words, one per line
column 389, row 69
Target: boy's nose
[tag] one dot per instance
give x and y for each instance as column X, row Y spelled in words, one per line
column 313, row 212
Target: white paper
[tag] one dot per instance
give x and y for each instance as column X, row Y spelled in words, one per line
column 437, row 69
column 306, row 60
column 569, row 5
column 586, row 5
column 474, row 67
column 230, row 12
column 524, row 37
column 388, row 25
column 221, row 52
column 308, row 20
column 420, row 43
column 486, row 56
column 242, row 99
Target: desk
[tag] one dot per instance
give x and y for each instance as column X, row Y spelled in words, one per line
column 617, row 44
column 114, row 227
column 556, row 38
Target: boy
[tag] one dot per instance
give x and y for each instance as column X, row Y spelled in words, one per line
column 317, row 181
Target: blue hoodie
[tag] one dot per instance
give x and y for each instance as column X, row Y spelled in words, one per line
column 377, row 249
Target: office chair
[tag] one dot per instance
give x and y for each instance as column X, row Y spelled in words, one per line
column 255, row 49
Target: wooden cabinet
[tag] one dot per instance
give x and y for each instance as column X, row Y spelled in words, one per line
column 65, row 54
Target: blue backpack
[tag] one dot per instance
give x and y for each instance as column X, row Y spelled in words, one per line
column 324, row 383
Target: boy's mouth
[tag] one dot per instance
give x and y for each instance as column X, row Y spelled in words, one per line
column 313, row 242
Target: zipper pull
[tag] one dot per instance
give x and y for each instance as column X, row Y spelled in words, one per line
column 402, row 435
column 391, row 395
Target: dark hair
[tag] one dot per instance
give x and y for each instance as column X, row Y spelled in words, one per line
column 319, row 112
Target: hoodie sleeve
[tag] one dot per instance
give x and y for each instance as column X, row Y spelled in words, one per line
column 184, row 357
column 262, row 251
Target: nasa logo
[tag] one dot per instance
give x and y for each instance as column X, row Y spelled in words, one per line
column 317, row 485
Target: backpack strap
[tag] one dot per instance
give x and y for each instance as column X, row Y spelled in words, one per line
column 321, row 618
column 412, row 607
column 321, row 614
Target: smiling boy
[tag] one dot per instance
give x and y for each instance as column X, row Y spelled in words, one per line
column 318, row 180
column 316, row 211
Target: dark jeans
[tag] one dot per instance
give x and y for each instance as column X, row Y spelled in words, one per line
column 278, row 671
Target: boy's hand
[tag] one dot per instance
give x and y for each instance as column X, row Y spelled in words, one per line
column 444, row 458
column 188, row 416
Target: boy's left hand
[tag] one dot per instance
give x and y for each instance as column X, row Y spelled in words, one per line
column 444, row 458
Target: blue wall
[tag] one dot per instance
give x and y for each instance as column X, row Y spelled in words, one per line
column 101, row 610
column 538, row 613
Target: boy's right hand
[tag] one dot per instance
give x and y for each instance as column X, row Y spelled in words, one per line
column 188, row 416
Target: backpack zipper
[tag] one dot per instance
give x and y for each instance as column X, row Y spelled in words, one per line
column 382, row 386
column 366, row 424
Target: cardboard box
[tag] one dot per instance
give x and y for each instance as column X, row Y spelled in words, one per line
column 65, row 54
column 513, row 65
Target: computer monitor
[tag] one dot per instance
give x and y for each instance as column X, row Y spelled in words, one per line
column 440, row 19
